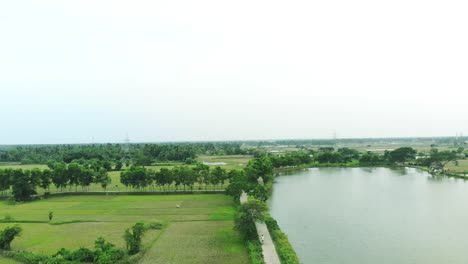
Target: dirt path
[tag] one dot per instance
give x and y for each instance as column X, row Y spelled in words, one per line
column 270, row 255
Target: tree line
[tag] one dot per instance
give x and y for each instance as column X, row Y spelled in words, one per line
column 139, row 154
column 347, row 156
column 139, row 178
column 23, row 183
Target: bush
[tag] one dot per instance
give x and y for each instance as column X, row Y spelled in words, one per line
column 7, row 236
column 154, row 225
column 133, row 236
column 283, row 247
column 255, row 252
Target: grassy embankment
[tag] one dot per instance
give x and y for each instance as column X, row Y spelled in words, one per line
column 200, row 231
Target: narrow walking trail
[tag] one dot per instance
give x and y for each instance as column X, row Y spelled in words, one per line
column 270, row 255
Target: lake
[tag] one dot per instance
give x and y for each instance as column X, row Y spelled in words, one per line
column 373, row 215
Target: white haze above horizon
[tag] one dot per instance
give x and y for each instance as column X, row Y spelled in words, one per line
column 82, row 71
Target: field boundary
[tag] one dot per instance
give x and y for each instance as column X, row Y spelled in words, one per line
column 110, row 193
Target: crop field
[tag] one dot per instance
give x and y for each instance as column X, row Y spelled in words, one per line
column 231, row 161
column 462, row 166
column 23, row 166
column 202, row 224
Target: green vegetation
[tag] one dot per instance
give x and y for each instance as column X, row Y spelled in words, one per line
column 117, row 154
column 193, row 223
column 198, row 230
column 132, row 238
column 249, row 212
column 283, row 247
column 24, row 183
column 7, row 236
column 255, row 252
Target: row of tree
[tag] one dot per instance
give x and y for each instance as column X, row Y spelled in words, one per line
column 138, row 177
column 346, row 155
column 24, row 182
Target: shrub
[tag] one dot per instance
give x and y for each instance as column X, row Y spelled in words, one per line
column 285, row 250
column 154, row 225
column 255, row 252
column 133, row 236
column 7, row 236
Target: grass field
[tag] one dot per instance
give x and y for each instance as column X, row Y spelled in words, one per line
column 8, row 261
column 203, row 223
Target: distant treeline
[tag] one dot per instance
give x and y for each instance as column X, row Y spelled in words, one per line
column 362, row 141
column 140, row 154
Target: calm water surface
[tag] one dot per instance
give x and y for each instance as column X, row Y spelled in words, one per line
column 373, row 215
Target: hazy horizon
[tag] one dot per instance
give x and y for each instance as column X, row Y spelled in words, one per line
column 165, row 71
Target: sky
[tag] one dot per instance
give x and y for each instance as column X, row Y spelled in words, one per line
column 92, row 71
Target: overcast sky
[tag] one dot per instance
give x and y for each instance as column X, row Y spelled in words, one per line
column 83, row 71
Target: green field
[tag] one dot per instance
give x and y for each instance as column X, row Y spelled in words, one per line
column 201, row 228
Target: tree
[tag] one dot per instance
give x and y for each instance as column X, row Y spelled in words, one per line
column 249, row 212
column 103, row 178
column 164, row 177
column 218, row 175
column 133, row 236
column 259, row 167
column 260, row 193
column 107, row 165
column 135, row 177
column 329, row 157
column 369, row 158
column 118, row 165
column 22, row 185
column 86, row 177
column 177, row 176
column 237, row 183
column 348, row 154
column 36, row 175
column 59, row 175
column 202, row 172
column 51, row 215
column 188, row 177
column 439, row 159
column 5, row 182
column 45, row 179
column 74, row 172
column 402, row 154
column 7, row 236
